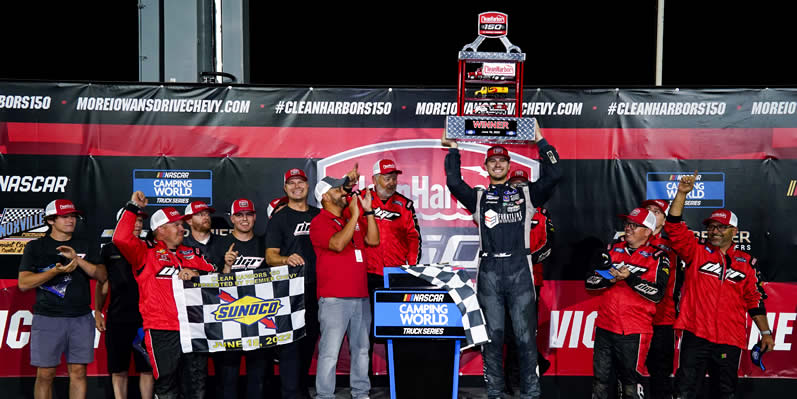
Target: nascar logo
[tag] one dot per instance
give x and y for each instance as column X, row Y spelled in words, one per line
column 247, row 310
column 172, row 175
column 423, row 298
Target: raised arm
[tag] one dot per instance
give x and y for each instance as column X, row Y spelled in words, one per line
column 550, row 171
column 684, row 242
column 131, row 247
column 372, row 233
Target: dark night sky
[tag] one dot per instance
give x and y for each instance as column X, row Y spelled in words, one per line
column 568, row 44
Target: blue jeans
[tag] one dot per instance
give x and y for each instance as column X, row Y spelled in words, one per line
column 340, row 316
column 505, row 285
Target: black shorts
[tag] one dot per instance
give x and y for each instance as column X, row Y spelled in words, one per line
column 119, row 344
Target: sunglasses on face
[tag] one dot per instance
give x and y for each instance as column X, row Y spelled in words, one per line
column 719, row 227
column 632, row 225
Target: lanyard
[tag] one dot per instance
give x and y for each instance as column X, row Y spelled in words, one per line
column 353, row 243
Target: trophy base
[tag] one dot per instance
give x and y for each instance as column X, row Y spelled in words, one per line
column 491, row 129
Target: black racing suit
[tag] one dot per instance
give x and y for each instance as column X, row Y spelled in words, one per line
column 504, row 276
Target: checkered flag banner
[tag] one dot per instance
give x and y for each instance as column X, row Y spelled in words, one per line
column 457, row 282
column 241, row 311
column 12, row 214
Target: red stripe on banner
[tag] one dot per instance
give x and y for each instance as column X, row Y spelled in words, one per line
column 319, row 142
column 565, row 326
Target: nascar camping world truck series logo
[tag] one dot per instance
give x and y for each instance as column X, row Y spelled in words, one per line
column 174, row 187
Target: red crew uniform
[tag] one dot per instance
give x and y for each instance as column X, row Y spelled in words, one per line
column 153, row 266
column 399, row 234
column 718, row 289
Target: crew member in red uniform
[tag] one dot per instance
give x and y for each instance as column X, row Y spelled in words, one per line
column 400, row 236
column 721, row 285
column 154, row 263
column 662, row 345
column 631, row 278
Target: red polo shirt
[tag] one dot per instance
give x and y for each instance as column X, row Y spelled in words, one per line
column 339, row 274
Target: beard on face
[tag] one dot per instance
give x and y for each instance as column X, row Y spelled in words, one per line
column 341, row 201
column 201, row 226
column 384, row 192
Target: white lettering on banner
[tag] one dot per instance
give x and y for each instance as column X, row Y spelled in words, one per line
column 173, row 188
column 552, row 108
column 16, row 339
column 3, row 318
column 162, row 105
column 559, row 330
column 780, row 330
column 25, row 102
column 668, row 108
column 773, row 108
column 435, row 108
column 36, row 184
column 335, row 107
column 423, row 314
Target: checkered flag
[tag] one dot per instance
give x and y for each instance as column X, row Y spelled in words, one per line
column 246, row 310
column 12, row 214
column 457, row 282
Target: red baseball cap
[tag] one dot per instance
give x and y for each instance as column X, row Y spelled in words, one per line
column 384, row 166
column 164, row 216
column 662, row 204
column 497, row 151
column 519, row 174
column 196, row 207
column 723, row 216
column 60, row 207
column 242, row 205
column 642, row 217
column 275, row 204
column 295, row 172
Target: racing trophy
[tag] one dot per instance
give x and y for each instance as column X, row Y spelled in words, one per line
column 490, row 90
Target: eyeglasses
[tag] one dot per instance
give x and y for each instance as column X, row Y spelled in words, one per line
column 632, row 225
column 719, row 227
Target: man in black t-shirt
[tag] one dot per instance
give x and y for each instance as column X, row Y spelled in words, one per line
column 60, row 267
column 199, row 236
column 288, row 243
column 124, row 318
column 242, row 250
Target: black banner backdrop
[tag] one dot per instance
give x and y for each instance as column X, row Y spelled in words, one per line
column 96, row 143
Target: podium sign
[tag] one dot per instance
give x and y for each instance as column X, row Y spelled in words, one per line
column 416, row 314
column 423, row 328
column 490, row 90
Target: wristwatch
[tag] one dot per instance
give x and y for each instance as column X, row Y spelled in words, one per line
column 766, row 332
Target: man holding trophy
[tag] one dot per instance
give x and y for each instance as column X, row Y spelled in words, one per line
column 504, row 274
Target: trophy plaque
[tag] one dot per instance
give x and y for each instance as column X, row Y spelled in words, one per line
column 490, row 90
